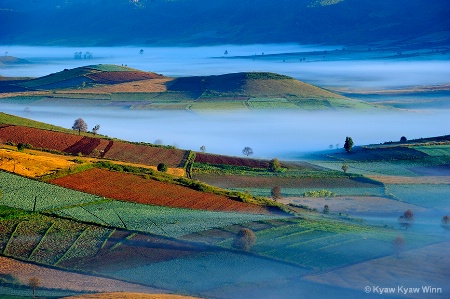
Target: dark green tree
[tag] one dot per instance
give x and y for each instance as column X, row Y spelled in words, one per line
column 348, row 145
column 162, row 167
column 326, row 209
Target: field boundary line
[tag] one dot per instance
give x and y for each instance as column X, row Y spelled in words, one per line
column 40, row 241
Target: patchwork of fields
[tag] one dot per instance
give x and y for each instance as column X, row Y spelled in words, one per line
column 91, row 146
column 126, row 222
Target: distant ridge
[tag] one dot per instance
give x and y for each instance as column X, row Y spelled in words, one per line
column 9, row 60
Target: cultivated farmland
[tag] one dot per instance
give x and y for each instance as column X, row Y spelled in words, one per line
column 27, row 194
column 129, row 187
column 75, row 144
column 173, row 222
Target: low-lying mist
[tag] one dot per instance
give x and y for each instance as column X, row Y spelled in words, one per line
column 282, row 134
column 354, row 72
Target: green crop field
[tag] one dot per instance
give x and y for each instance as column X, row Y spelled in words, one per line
column 435, row 150
column 19, row 192
column 159, row 220
column 435, row 196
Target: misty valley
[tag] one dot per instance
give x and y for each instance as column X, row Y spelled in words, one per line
column 225, row 171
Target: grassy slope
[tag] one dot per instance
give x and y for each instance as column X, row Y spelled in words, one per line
column 21, row 121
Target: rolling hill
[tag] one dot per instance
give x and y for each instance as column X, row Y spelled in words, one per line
column 135, row 89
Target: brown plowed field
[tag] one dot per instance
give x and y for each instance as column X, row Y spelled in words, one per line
column 121, row 77
column 217, row 159
column 143, row 154
column 74, row 144
column 129, row 187
column 38, row 138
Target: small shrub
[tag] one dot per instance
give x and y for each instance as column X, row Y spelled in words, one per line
column 326, row 209
column 162, row 167
column 20, row 146
column 320, row 193
column 78, row 161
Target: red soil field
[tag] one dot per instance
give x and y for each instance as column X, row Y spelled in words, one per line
column 217, row 159
column 132, row 188
column 121, row 77
column 74, row 144
column 38, row 138
column 143, row 154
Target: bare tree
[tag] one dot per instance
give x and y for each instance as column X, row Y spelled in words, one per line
column 80, row 125
column 248, row 151
column 275, row 193
column 407, row 219
column 399, row 245
column 34, row 283
column 95, row 129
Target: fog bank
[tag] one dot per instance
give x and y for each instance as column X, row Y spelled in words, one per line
column 330, row 71
column 282, row 134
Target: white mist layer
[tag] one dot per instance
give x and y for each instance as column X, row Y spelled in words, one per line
column 282, row 134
